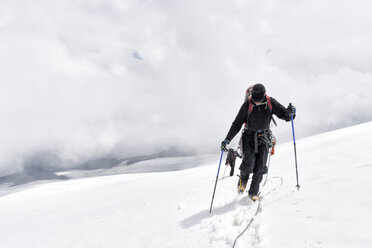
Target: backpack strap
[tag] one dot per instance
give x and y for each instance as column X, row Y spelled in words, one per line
column 271, row 108
column 269, row 103
column 250, row 105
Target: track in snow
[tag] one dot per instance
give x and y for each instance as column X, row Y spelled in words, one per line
column 229, row 219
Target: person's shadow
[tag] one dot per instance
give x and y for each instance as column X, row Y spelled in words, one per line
column 198, row 217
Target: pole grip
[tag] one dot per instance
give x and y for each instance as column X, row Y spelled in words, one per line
column 293, row 132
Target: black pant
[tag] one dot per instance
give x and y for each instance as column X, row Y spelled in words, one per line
column 254, row 163
column 230, row 160
column 232, row 169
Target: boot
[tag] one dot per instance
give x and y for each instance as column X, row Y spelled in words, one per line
column 254, row 197
column 241, row 185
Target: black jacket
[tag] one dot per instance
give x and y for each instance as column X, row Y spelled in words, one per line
column 259, row 118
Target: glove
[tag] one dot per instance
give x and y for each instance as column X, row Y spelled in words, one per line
column 224, row 144
column 291, row 110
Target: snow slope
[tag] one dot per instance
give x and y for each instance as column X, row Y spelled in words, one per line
column 171, row 209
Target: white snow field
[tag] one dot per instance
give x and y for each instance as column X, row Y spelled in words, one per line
column 171, row 209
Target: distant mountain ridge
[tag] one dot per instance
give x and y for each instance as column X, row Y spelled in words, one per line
column 43, row 166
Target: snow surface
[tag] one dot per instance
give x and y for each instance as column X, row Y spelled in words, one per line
column 171, row 209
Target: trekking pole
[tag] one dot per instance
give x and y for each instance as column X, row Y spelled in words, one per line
column 294, row 144
column 268, row 166
column 215, row 185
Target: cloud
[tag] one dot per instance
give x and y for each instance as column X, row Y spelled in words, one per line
column 90, row 79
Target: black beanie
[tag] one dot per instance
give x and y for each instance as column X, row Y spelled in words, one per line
column 258, row 93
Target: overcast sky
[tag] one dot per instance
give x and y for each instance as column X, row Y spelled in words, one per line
column 88, row 79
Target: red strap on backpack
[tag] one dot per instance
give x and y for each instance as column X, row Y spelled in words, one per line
column 269, row 103
column 250, row 105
